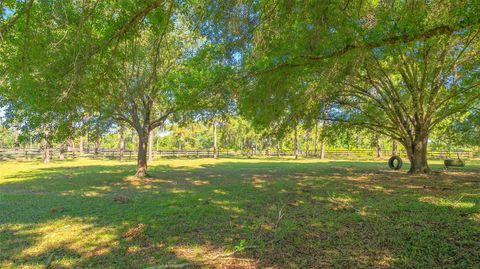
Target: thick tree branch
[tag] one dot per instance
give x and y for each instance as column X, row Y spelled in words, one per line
column 368, row 45
column 158, row 122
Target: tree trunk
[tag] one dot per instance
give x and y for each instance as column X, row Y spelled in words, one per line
column 179, row 145
column 142, row 154
column 417, row 154
column 322, row 149
column 394, row 148
column 150, row 146
column 46, row 151
column 157, row 142
column 265, row 146
column 70, row 145
column 307, row 143
column 295, row 142
column 215, row 149
column 322, row 146
column 87, row 142
column 357, row 139
column 97, row 146
column 379, row 148
column 80, row 147
column 315, row 144
column 62, row 151
column 122, row 143
column 16, row 142
column 278, row 149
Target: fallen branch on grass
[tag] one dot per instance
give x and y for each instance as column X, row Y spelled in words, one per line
column 223, row 256
column 226, row 256
column 237, row 259
column 176, row 265
column 458, row 201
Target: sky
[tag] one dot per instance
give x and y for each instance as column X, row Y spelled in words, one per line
column 7, row 12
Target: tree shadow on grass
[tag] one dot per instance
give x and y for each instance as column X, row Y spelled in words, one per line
column 289, row 215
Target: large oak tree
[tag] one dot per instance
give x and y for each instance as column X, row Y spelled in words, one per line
column 406, row 91
column 399, row 67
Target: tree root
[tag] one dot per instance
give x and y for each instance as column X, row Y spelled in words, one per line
column 142, row 173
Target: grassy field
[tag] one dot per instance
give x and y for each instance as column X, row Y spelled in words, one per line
column 237, row 213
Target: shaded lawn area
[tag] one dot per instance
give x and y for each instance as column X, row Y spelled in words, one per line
column 273, row 213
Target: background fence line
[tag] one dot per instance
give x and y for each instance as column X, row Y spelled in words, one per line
column 208, row 153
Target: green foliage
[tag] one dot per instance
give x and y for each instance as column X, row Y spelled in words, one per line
column 459, row 131
column 257, row 68
column 240, row 247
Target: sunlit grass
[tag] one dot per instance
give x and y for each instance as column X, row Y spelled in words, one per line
column 447, row 202
column 272, row 212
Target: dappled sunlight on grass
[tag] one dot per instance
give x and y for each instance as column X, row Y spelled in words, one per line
column 446, row 202
column 217, row 191
column 92, row 194
column 290, row 214
column 70, row 236
column 259, row 181
column 227, row 205
column 146, row 183
column 178, row 191
column 199, row 182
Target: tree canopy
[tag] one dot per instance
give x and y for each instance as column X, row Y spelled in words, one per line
column 403, row 69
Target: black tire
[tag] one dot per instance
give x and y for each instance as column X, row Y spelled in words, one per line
column 391, row 163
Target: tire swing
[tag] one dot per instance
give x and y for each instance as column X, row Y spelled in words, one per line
column 454, row 162
column 395, row 163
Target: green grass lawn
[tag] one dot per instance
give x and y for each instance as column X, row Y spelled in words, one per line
column 271, row 213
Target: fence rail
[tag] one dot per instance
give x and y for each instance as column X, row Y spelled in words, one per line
column 208, row 153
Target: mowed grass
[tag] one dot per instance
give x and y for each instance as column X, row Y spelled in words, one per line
column 270, row 213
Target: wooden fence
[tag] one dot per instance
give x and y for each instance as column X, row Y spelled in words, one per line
column 208, row 153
